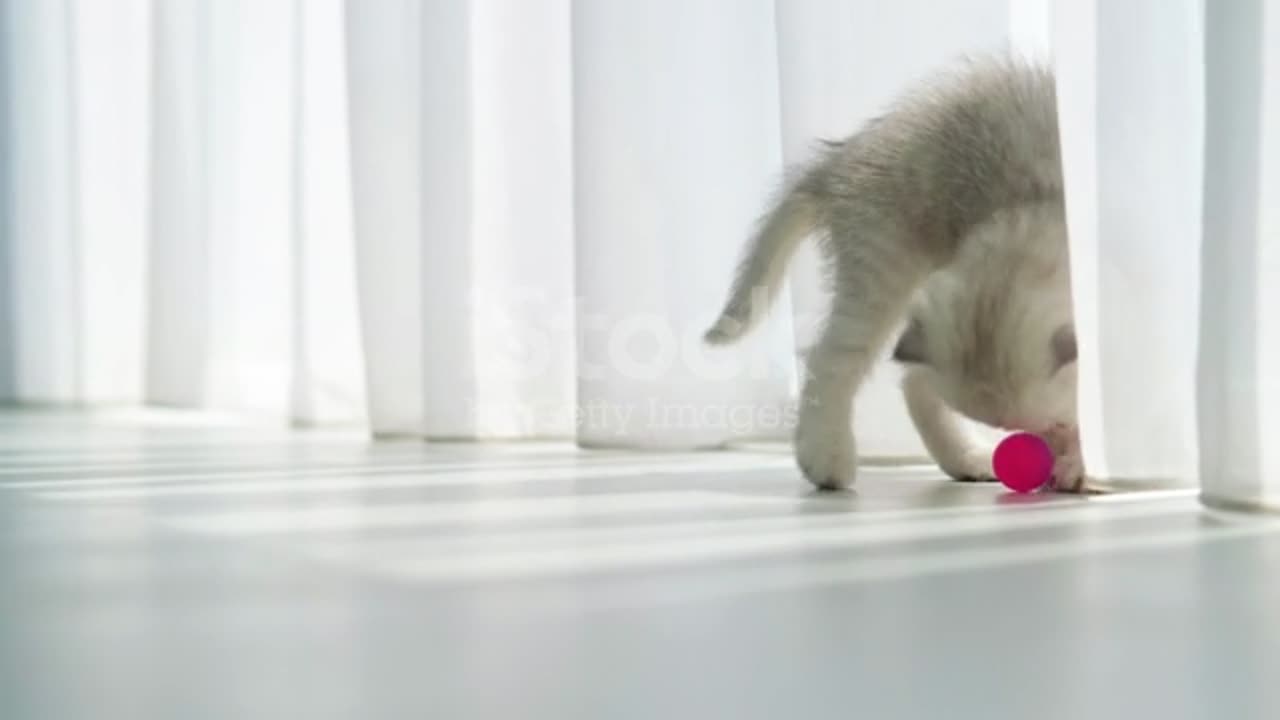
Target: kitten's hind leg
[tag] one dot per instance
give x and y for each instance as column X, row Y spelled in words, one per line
column 948, row 442
column 872, row 293
column 825, row 448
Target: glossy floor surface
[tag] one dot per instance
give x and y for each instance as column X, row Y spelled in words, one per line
column 162, row 569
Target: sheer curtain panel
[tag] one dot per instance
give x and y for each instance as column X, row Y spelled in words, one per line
column 473, row 219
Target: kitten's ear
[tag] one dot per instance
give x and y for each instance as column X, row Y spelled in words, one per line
column 910, row 349
column 1064, row 346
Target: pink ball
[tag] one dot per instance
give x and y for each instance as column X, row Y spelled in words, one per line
column 1023, row 462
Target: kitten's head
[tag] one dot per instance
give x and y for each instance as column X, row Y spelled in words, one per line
column 995, row 335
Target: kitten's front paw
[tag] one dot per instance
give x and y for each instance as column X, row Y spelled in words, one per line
column 826, row 456
column 1068, row 465
column 1068, row 474
column 974, row 466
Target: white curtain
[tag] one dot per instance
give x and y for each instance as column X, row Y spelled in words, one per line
column 579, row 177
column 442, row 218
column 497, row 218
column 1239, row 360
column 176, row 214
column 1170, row 114
column 1130, row 85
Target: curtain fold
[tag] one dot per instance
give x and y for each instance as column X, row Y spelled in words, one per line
column 500, row 219
column 251, row 302
column 383, row 42
column 1239, row 353
column 676, row 152
column 1130, row 90
column 328, row 362
column 44, row 286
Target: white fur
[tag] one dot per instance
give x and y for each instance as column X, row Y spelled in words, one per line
column 982, row 334
column 947, row 208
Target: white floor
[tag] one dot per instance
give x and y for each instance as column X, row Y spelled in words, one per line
column 153, row 569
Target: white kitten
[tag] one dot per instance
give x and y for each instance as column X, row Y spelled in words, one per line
column 947, row 210
column 991, row 336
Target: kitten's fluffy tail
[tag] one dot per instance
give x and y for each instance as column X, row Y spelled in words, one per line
column 760, row 274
